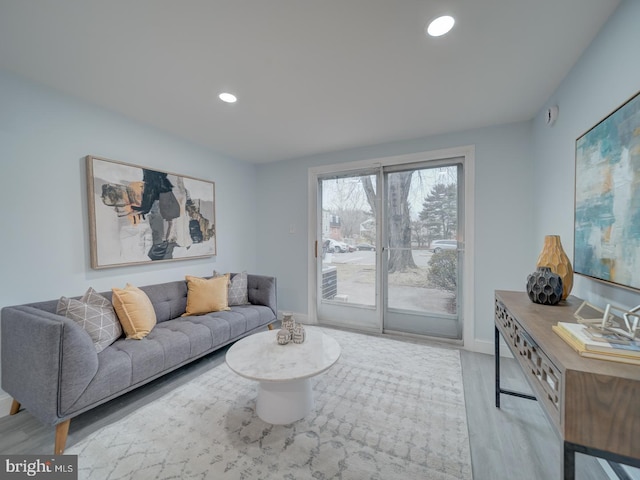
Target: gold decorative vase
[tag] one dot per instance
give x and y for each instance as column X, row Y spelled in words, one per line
column 553, row 256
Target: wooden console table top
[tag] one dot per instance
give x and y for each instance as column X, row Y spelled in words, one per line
column 538, row 319
column 598, row 400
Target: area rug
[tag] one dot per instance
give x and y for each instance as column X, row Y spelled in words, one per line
column 387, row 409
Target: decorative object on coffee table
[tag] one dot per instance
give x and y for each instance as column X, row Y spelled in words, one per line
column 283, row 337
column 298, row 334
column 544, row 286
column 553, row 256
column 288, row 323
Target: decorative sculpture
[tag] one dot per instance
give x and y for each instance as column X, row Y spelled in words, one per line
column 609, row 323
column 298, row 334
column 288, row 323
column 291, row 331
column 283, row 337
column 544, row 286
column 553, row 256
column 632, row 325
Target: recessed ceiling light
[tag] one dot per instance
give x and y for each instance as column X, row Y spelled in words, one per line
column 440, row 26
column 227, row 97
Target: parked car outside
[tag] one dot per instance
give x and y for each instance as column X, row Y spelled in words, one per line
column 341, row 247
column 334, row 246
column 439, row 245
column 365, row 246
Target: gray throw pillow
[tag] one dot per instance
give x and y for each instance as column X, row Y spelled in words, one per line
column 238, row 288
column 95, row 314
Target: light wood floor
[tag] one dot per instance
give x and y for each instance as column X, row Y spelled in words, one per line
column 513, row 442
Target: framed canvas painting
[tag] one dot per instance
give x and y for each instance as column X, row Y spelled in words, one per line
column 607, row 204
column 138, row 215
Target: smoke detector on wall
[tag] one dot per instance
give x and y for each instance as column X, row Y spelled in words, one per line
column 551, row 115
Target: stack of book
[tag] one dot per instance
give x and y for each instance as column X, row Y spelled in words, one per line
column 591, row 343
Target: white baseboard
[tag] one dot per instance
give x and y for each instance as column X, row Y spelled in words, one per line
column 483, row 346
column 298, row 317
column 479, row 346
column 5, row 403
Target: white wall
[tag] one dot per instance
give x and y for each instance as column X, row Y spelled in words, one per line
column 44, row 137
column 605, row 77
column 504, row 245
column 44, row 248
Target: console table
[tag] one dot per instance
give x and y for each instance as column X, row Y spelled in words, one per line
column 594, row 405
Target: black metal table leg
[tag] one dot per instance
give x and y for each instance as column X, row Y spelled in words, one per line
column 569, row 459
column 568, row 462
column 496, row 343
column 497, row 360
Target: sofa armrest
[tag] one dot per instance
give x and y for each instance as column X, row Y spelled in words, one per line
column 263, row 291
column 47, row 361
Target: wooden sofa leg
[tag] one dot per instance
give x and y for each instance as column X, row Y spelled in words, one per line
column 15, row 407
column 270, row 326
column 62, row 430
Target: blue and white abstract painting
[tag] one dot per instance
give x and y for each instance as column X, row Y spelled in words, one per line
column 607, row 215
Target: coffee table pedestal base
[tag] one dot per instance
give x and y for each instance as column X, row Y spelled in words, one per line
column 281, row 403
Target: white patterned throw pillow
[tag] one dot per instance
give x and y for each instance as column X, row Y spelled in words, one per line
column 238, row 288
column 95, row 314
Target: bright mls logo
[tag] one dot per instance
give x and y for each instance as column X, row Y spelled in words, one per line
column 51, row 467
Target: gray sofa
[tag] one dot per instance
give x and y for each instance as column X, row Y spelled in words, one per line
column 51, row 368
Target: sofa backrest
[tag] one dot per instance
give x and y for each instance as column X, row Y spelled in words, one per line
column 170, row 299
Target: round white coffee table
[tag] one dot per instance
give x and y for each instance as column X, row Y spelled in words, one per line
column 283, row 371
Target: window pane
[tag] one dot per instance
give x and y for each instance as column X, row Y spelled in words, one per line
column 348, row 228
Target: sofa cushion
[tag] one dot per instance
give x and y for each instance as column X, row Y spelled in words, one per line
column 95, row 314
column 206, row 295
column 238, row 291
column 135, row 311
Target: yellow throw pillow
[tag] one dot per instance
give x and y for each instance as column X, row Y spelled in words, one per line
column 206, row 295
column 135, row 311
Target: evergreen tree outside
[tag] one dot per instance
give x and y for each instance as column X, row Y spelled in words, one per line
column 440, row 211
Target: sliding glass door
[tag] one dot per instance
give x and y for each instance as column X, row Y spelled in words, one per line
column 390, row 245
column 347, row 260
column 422, row 265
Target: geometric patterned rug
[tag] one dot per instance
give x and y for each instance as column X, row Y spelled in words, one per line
column 388, row 409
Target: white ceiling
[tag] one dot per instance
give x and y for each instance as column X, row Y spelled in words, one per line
column 310, row 76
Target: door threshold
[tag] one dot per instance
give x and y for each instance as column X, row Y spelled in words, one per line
column 424, row 338
column 351, row 328
column 444, row 342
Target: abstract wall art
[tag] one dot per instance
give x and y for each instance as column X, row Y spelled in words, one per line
column 607, row 203
column 138, row 215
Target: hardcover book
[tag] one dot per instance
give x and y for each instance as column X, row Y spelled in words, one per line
column 574, row 335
